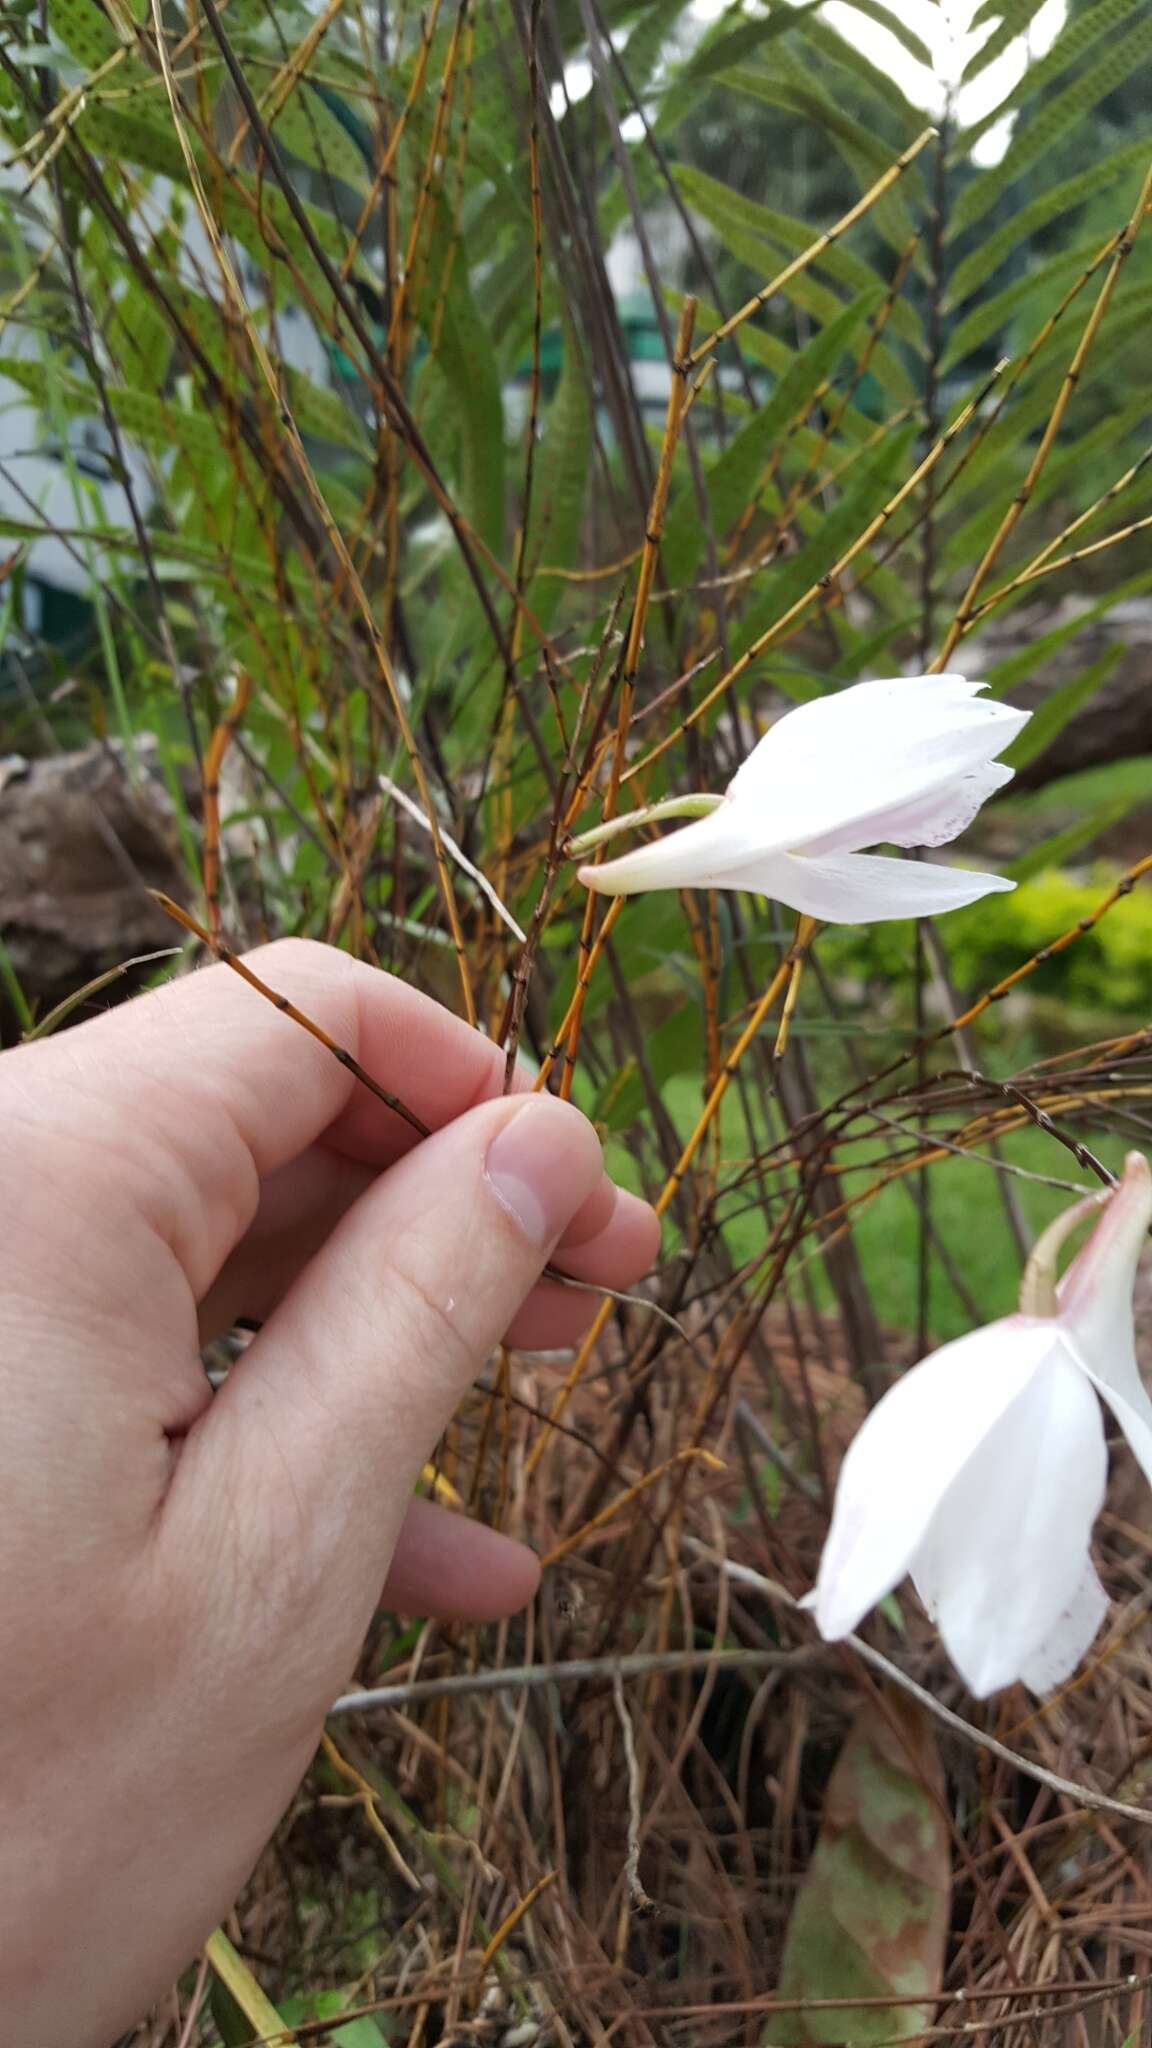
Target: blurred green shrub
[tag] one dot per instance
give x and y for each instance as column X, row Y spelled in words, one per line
column 1107, row 969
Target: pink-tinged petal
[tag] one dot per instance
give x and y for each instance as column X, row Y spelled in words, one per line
column 912, row 1448
column 1134, row 1414
column 1067, row 1643
column 928, row 821
column 1095, row 1299
column 865, row 754
column 681, row 859
column 1004, row 1556
column 859, row 888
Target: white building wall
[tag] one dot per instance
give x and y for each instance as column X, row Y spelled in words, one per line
column 35, row 484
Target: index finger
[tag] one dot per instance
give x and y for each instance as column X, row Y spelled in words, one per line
column 206, row 1076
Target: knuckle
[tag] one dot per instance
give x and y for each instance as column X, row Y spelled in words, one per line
column 307, row 958
column 422, row 1307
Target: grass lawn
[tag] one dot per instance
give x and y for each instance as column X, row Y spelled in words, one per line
column 967, row 1211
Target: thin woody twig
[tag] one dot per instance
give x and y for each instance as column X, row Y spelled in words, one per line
column 281, row 1003
column 794, row 611
column 457, row 853
column 570, row 1671
column 811, row 255
column 1081, row 1795
column 637, row 1896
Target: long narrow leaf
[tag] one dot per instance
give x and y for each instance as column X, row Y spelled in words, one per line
column 1035, row 294
column 734, row 477
column 1057, row 849
column 724, row 207
column 1007, row 242
column 1076, row 38
column 834, row 532
column 1056, row 121
column 1015, row 19
column 561, row 483
column 1050, row 718
column 237, row 1979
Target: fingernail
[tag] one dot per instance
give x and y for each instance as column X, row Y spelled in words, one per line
column 542, row 1165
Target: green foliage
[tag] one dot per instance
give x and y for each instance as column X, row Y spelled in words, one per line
column 309, row 129
column 1059, row 847
column 1030, row 660
column 735, row 478
column 1015, row 16
column 1052, row 204
column 862, row 501
column 1060, row 115
column 785, row 85
column 1054, row 714
column 1105, row 972
column 234, row 2030
column 890, row 18
column 1076, row 38
column 365, row 2032
column 675, row 1046
column 85, row 32
column 561, row 484
column 1032, row 296
column 733, row 212
column 461, row 343
column 187, row 392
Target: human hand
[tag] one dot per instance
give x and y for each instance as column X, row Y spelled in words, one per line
column 186, row 1579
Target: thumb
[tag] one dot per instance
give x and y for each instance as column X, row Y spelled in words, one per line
column 320, row 1432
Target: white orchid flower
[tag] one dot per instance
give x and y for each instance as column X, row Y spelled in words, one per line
column 982, row 1471
column 906, row 762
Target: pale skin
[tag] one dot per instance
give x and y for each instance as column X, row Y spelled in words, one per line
column 186, row 1578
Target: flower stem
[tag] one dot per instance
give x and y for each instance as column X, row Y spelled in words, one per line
column 1038, row 1284
column 695, row 806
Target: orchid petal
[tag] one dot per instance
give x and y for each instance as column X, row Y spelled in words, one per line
column 930, row 820
column 859, row 888
column 1003, row 1559
column 857, row 754
column 913, row 1446
column 681, row 859
column 1095, row 1299
column 1056, row 1658
column 1133, row 1411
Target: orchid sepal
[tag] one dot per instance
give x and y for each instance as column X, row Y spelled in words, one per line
column 981, row 1472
